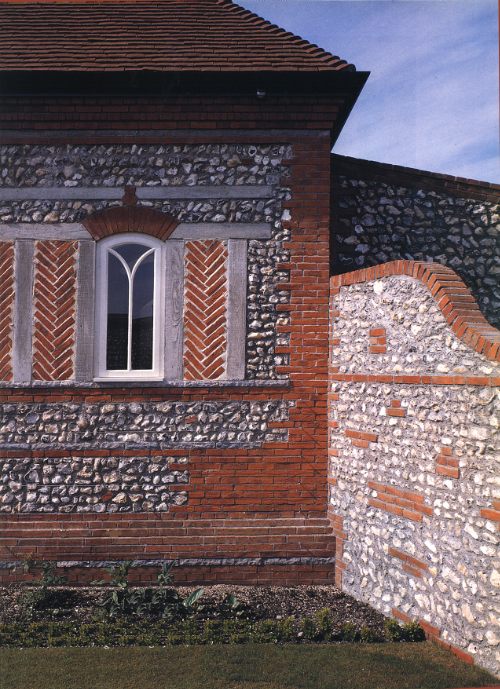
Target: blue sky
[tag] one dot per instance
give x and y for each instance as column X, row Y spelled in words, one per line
column 431, row 101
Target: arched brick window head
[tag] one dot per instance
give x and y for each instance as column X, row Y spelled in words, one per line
column 130, row 218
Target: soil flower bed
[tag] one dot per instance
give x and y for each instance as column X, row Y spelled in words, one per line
column 48, row 613
column 75, row 616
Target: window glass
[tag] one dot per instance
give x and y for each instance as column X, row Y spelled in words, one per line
column 131, row 252
column 142, row 314
column 117, row 317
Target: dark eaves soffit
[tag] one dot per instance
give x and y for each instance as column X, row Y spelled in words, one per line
column 164, row 48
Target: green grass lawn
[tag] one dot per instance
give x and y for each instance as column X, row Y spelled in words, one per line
column 250, row 666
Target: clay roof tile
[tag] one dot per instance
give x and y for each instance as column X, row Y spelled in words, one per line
column 161, row 35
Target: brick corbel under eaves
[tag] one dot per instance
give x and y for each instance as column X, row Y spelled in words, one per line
column 452, row 296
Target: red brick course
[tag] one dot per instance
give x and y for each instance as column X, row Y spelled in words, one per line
column 100, row 537
column 446, row 465
column 340, row 536
column 411, row 565
column 378, row 341
column 151, row 115
column 399, row 501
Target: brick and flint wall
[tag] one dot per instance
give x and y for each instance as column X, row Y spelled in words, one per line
column 222, row 465
column 414, row 444
column 384, row 213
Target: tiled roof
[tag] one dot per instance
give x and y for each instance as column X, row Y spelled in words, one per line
column 165, row 35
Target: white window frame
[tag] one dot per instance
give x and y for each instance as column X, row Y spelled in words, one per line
column 101, row 372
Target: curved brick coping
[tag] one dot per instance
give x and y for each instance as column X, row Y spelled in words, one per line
column 455, row 301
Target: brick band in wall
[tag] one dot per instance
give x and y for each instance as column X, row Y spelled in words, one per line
column 402, row 502
column 179, row 113
column 452, row 296
column 446, row 465
column 211, row 549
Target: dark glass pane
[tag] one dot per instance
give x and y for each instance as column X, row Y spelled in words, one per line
column 117, row 326
column 131, row 252
column 142, row 315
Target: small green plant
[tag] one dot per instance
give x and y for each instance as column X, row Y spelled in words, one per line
column 349, row 632
column 325, row 623
column 190, row 629
column 230, row 607
column 212, row 633
column 392, row 630
column 236, row 631
column 42, row 599
column 142, row 601
column 308, row 628
column 265, row 632
column 412, row 631
column 173, row 638
column 285, row 629
column 368, row 635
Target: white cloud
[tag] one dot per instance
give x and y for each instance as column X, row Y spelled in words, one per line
column 431, row 101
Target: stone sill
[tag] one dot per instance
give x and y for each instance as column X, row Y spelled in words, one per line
column 128, row 383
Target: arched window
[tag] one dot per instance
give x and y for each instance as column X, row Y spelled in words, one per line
column 130, row 307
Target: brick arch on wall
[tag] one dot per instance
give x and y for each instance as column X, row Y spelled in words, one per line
column 130, row 219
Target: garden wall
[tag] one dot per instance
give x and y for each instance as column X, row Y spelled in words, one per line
column 415, row 451
column 386, row 213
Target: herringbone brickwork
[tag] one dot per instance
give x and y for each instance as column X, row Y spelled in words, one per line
column 205, row 310
column 6, row 308
column 54, row 310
